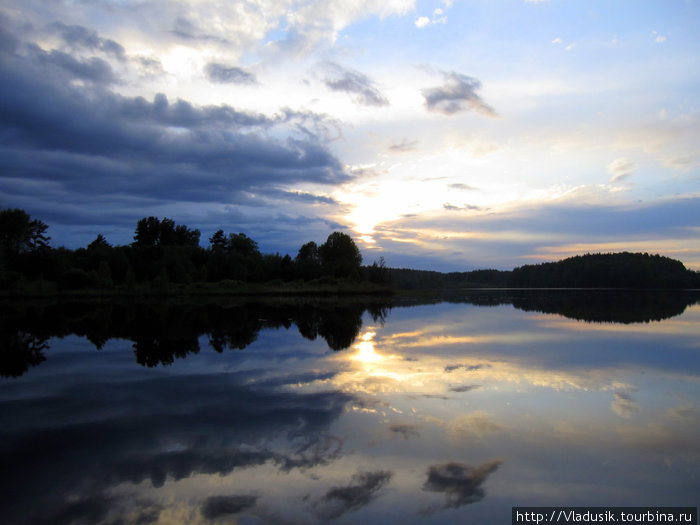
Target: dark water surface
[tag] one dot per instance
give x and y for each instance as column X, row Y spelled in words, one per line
column 346, row 411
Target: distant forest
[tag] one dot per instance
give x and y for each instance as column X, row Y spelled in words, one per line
column 165, row 256
column 600, row 270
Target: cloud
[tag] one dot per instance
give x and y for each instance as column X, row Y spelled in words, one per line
column 461, row 483
column 405, row 430
column 658, row 38
column 464, row 388
column 217, row 506
column 438, row 17
column 468, row 368
column 207, row 424
column 621, row 169
column 461, row 186
column 223, row 74
column 363, row 489
column 457, row 94
column 186, row 29
column 624, row 405
column 422, row 22
column 93, row 69
column 101, row 154
column 466, row 207
column 79, row 37
column 403, row 146
column 358, row 85
column 472, row 426
column 557, row 41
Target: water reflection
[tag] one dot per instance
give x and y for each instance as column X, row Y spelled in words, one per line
column 441, row 412
column 164, row 332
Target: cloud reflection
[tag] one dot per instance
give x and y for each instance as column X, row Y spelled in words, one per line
column 218, row 506
column 462, row 484
column 364, row 487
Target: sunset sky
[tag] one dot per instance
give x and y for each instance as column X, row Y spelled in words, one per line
column 448, row 135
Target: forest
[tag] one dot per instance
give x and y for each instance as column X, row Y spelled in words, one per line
column 166, row 257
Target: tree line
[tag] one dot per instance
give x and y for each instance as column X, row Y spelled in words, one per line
column 164, row 253
column 607, row 270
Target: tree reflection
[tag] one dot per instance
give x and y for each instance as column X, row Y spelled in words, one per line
column 162, row 333
column 607, row 306
column 19, row 351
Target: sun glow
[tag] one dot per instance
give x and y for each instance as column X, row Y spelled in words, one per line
column 365, row 349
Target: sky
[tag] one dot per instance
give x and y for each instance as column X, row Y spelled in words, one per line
column 447, row 134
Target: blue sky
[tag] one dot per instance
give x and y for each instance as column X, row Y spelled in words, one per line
column 445, row 135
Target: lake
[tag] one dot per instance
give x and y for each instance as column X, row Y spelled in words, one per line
column 348, row 410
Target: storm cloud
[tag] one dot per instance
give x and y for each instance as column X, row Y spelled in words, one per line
column 457, row 94
column 105, row 155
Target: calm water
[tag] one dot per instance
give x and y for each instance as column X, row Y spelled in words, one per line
column 449, row 412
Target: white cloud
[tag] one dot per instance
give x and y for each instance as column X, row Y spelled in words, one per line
column 557, row 41
column 422, row 22
column 659, row 39
column 621, row 169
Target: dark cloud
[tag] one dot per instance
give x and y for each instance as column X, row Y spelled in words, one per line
column 299, row 196
column 92, row 69
column 76, row 36
column 468, row 368
column 72, row 150
column 358, row 85
column 217, row 506
column 405, row 430
column 362, row 490
column 223, row 74
column 461, row 483
column 467, row 207
column 458, row 93
column 464, row 388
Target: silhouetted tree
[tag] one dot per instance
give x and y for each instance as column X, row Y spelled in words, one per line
column 99, row 243
column 242, row 244
column 218, row 241
column 308, row 261
column 20, row 233
column 340, row 256
column 378, row 272
column 147, row 232
column 151, row 231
